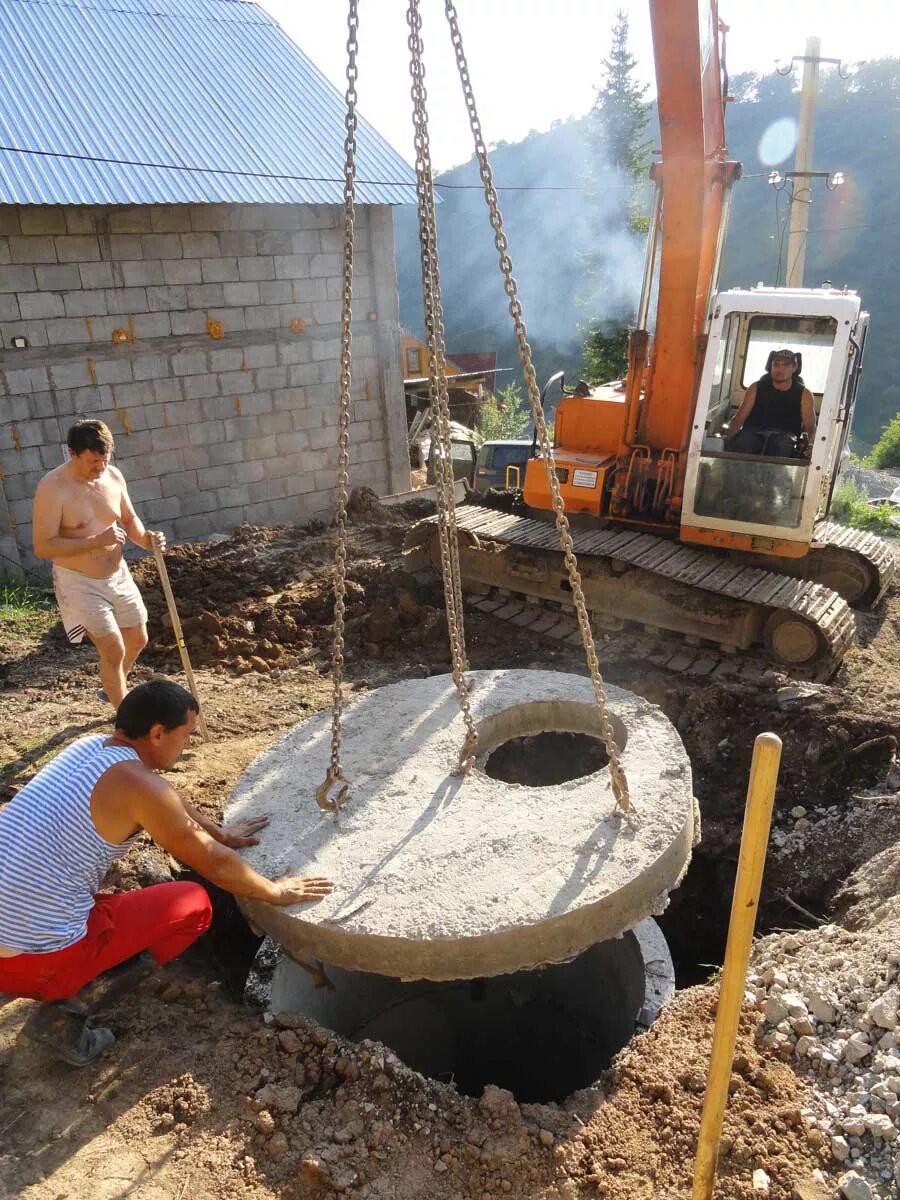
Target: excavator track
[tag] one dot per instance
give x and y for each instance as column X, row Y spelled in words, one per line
column 658, row 584
column 855, row 562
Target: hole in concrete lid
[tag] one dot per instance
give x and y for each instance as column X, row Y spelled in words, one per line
column 544, row 759
column 545, row 742
column 542, row 1034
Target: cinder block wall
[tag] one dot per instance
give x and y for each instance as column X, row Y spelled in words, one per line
column 210, row 431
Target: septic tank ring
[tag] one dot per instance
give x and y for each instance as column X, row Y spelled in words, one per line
column 445, row 878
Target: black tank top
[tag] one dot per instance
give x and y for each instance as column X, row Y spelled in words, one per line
column 776, row 410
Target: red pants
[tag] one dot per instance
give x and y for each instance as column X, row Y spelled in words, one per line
column 163, row 919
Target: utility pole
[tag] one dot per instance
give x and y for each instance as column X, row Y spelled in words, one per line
column 802, row 194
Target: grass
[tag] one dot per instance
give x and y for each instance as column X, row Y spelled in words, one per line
column 24, row 608
column 850, row 507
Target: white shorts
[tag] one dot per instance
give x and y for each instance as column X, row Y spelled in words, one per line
column 97, row 606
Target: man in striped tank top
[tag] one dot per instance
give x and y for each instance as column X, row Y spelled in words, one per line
column 64, row 942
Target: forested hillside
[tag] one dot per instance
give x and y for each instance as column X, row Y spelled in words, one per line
column 576, row 262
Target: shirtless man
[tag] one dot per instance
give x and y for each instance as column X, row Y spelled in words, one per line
column 82, row 517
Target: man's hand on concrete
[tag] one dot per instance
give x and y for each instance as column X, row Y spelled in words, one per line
column 241, row 833
column 109, row 538
column 296, row 889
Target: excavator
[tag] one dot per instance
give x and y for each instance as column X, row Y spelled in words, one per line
column 674, row 527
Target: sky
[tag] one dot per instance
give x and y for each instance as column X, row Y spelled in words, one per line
column 533, row 62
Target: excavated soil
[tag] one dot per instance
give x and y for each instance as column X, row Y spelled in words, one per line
column 203, row 1097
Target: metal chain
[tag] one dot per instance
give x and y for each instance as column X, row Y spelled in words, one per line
column 448, row 532
column 335, row 772
column 434, row 319
column 619, row 782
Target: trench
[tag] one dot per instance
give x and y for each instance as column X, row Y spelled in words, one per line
column 541, row 1034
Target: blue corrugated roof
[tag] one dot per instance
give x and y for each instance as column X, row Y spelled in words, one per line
column 173, row 101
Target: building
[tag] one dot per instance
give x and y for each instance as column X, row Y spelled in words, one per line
column 171, row 189
column 470, row 377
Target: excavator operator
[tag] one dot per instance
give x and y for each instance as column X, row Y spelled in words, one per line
column 775, row 412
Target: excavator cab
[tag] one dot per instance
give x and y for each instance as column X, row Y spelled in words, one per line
column 771, row 501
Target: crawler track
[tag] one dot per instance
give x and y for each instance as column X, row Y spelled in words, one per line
column 655, row 584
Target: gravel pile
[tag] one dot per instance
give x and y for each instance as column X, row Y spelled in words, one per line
column 829, row 1003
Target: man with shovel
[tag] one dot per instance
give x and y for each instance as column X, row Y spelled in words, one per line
column 82, row 518
column 64, row 942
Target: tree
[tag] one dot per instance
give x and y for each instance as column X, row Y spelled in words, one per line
column 504, row 416
column 619, row 122
column 886, row 451
column 605, row 353
column 620, row 112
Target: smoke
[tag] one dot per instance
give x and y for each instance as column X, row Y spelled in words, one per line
column 574, row 259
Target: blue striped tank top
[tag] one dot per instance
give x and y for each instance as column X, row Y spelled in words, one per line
column 52, row 859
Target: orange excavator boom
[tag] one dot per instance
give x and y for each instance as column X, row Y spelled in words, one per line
column 694, row 176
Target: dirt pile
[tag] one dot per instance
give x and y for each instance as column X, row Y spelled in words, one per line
column 283, row 1107
column 262, row 598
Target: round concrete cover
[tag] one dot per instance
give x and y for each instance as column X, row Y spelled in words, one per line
column 440, row 877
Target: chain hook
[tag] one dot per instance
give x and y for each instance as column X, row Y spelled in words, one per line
column 466, row 755
column 333, row 804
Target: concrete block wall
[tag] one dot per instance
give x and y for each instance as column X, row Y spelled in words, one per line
column 223, row 397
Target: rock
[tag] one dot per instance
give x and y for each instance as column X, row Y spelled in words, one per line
column 313, row 1168
column 811, row 1189
column 795, row 1005
column 883, row 1011
column 798, row 811
column 772, row 977
column 281, row 1097
column 289, row 1041
column 840, row 1148
column 857, row 1047
column 259, row 664
column 821, row 1007
column 774, row 1012
column 880, row 1125
column 854, row 1124
column 760, row 1181
column 499, row 1104
column 288, row 1020
column 792, row 695
column 546, row 1137
column 853, row 1187
column 277, row 1146
column 265, row 1122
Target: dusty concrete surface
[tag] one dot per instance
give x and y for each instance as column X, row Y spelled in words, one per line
column 441, row 877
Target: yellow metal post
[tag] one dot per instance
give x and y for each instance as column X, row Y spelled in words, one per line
column 179, row 637
column 744, row 904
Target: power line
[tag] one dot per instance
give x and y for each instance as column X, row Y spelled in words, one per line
column 161, row 166
column 524, row 187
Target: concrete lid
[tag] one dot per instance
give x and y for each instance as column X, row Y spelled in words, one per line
column 445, row 878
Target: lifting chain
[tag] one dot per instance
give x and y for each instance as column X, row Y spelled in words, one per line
column 619, row 782
column 437, row 388
column 335, row 774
